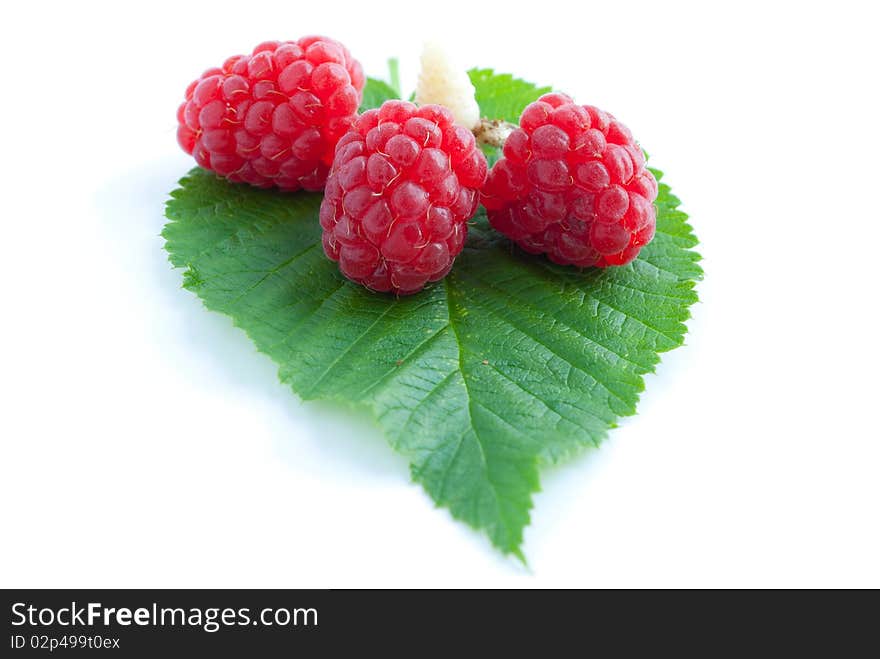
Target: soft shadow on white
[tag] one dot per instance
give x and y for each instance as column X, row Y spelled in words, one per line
column 206, row 345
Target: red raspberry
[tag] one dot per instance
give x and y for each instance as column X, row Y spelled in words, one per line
column 404, row 183
column 273, row 118
column 572, row 184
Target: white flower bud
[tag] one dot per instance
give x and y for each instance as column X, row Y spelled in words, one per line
column 444, row 83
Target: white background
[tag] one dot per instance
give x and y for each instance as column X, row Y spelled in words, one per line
column 146, row 443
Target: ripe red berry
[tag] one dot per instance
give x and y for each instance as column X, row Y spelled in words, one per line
column 273, row 118
column 573, row 185
column 404, row 183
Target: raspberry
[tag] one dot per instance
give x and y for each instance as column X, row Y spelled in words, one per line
column 273, row 118
column 573, row 185
column 403, row 185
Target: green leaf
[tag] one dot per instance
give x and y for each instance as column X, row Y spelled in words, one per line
column 376, row 92
column 508, row 364
column 501, row 96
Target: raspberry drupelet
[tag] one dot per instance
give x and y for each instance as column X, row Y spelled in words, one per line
column 572, row 185
column 273, row 118
column 404, row 183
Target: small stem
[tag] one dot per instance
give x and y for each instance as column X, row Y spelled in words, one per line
column 394, row 73
column 493, row 132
